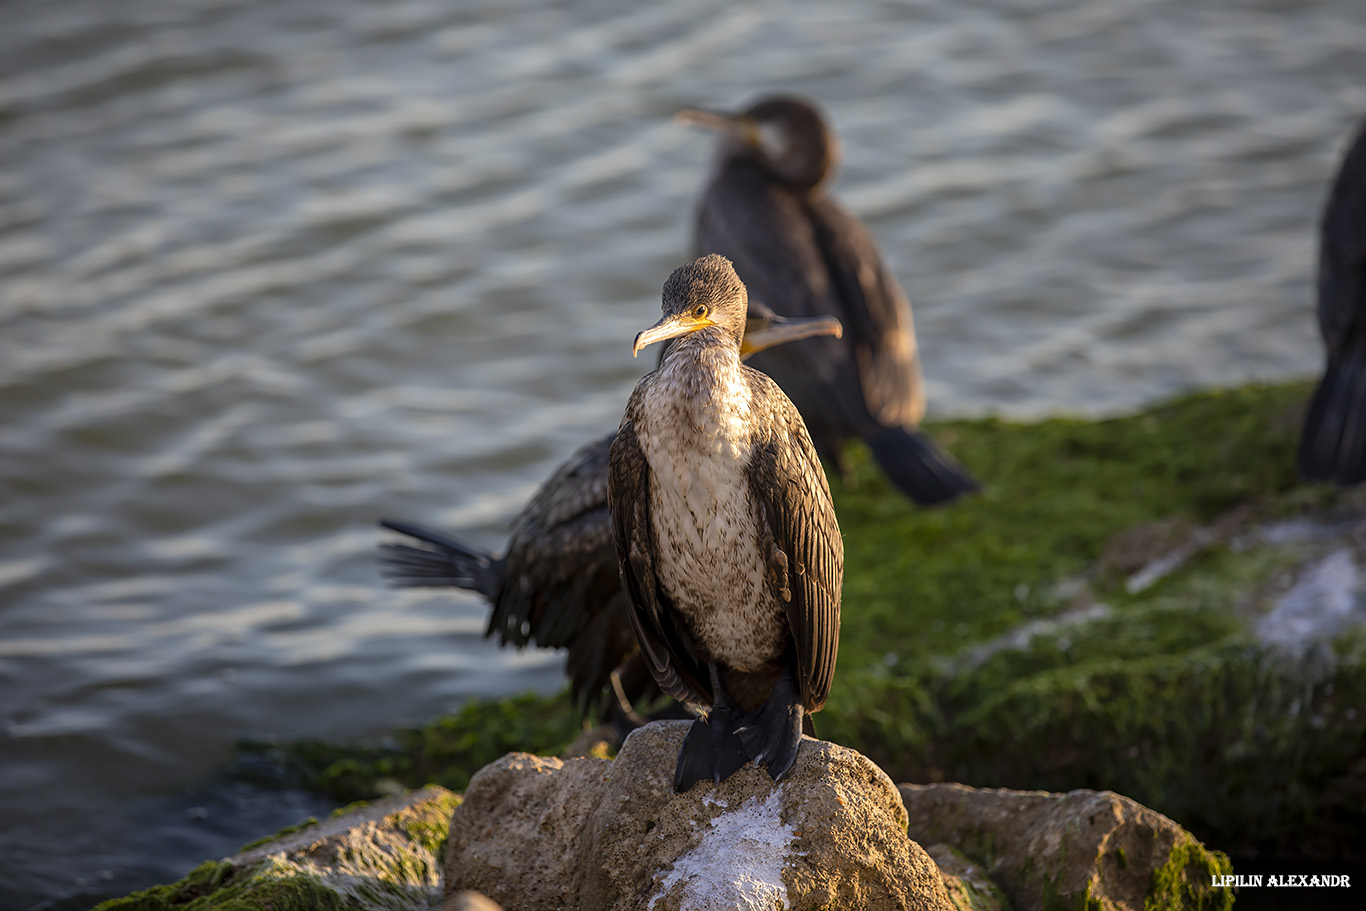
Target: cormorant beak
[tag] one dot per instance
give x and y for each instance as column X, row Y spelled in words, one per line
column 740, row 126
column 767, row 331
column 671, row 326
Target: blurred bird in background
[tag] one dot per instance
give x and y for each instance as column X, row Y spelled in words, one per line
column 765, row 208
column 1333, row 442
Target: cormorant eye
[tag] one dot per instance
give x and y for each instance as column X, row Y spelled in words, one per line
column 700, row 311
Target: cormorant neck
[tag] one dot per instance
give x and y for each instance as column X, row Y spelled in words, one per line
column 804, row 169
column 713, row 341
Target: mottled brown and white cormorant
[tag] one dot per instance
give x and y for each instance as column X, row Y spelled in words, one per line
column 765, row 207
column 1333, row 442
column 558, row 585
column 731, row 557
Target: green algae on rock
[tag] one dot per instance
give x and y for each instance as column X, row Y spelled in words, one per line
column 446, row 751
column 1080, row 850
column 384, row 855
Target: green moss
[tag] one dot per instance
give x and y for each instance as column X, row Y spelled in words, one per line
column 1055, row 900
column 375, row 871
column 429, row 828
column 446, row 752
column 287, row 830
column 347, row 808
column 975, row 891
column 217, row 886
column 1183, row 882
column 1055, row 492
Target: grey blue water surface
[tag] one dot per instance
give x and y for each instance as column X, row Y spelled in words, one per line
column 271, row 269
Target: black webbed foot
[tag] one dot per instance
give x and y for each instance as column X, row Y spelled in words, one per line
column 712, row 748
column 773, row 734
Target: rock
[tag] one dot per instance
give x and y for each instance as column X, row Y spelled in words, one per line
column 589, row 834
column 969, row 887
column 598, row 741
column 466, row 900
column 1091, row 849
column 379, row 857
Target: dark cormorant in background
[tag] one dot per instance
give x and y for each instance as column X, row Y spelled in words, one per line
column 730, row 554
column 1333, row 443
column 794, row 247
column 558, row 585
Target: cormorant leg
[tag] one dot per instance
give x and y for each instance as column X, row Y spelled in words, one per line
column 712, row 748
column 773, row 734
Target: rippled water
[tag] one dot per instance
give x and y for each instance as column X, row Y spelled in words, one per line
column 268, row 270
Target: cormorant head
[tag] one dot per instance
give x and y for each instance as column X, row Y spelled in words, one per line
column 703, row 294
column 787, row 134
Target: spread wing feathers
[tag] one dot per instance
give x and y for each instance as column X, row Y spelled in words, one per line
column 663, row 644
column 444, row 561
column 806, row 557
column 558, row 571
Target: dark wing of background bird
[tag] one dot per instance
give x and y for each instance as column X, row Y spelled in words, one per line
column 553, row 588
column 665, row 647
column 1333, row 442
column 804, row 255
column 789, row 486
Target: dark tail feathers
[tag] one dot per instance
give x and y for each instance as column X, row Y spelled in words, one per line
column 1333, row 442
column 924, row 472
column 445, row 562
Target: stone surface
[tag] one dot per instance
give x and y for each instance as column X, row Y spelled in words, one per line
column 536, row 833
column 382, row 855
column 1082, row 849
column 969, row 887
column 466, row 900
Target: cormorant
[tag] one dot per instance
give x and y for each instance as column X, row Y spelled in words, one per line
column 765, row 208
column 557, row 585
column 730, row 554
column 1333, row 442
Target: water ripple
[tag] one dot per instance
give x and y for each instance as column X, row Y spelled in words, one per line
column 271, row 270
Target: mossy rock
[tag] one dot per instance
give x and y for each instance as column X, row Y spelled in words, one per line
column 383, row 855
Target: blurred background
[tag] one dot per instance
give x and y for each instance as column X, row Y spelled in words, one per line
column 270, row 270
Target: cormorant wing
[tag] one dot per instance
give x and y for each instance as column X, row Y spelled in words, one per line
column 882, row 333
column 1333, row 439
column 805, row 551
column 554, row 563
column 676, row 670
column 1342, row 253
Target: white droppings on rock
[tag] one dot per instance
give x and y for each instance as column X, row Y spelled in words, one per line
column 738, row 864
column 1326, row 599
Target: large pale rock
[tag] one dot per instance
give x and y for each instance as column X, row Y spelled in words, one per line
column 593, row 835
column 1082, row 849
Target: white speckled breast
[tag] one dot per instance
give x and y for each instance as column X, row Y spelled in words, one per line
column 697, row 441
